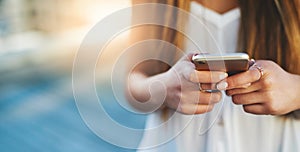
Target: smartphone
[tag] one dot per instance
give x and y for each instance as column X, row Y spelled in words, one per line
column 231, row 63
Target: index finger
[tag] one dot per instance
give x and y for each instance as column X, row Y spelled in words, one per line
column 207, row 76
column 241, row 79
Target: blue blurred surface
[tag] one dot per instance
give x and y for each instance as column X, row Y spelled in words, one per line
column 38, row 113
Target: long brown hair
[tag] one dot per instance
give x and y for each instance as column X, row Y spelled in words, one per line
column 269, row 29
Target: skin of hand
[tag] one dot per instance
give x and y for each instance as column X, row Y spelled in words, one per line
column 276, row 92
column 183, row 88
column 180, row 88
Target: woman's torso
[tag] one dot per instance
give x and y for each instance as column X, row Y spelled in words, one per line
column 227, row 127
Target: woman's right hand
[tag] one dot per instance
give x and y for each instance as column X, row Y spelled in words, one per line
column 182, row 87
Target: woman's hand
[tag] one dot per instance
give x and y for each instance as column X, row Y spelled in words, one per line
column 178, row 88
column 183, row 92
column 271, row 91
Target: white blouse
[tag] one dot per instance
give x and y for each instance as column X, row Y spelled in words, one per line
column 227, row 128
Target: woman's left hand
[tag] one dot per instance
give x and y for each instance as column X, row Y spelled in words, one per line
column 264, row 89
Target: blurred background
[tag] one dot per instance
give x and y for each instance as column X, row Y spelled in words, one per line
column 38, row 43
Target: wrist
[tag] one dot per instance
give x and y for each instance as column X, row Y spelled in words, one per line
column 148, row 91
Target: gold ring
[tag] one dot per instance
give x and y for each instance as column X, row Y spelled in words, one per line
column 260, row 69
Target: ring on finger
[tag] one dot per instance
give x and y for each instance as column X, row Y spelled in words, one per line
column 200, row 88
column 212, row 90
column 260, row 69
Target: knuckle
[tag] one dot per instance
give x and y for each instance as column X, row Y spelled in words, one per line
column 267, row 83
column 273, row 108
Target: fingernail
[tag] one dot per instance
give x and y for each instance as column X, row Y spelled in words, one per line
column 222, row 86
column 223, row 76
